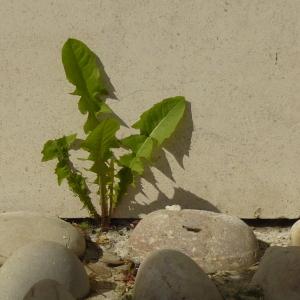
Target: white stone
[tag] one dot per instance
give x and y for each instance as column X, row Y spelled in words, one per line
column 39, row 261
column 279, row 274
column 20, row 228
column 173, row 207
column 171, row 275
column 48, row 290
column 217, row 242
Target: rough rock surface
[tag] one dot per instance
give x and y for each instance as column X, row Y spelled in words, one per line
column 20, row 228
column 171, row 275
column 48, row 290
column 295, row 234
column 279, row 274
column 217, row 242
column 38, row 261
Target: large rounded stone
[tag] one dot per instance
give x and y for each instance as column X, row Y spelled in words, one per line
column 279, row 274
column 39, row 261
column 295, row 234
column 48, row 290
column 171, row 275
column 217, row 242
column 20, row 228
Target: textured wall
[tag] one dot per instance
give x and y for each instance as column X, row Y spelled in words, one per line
column 237, row 62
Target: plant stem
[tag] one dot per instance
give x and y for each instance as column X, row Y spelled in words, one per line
column 103, row 203
column 111, row 186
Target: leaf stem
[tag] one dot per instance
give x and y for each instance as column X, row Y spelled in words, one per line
column 103, row 203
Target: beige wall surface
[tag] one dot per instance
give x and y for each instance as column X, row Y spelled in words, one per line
column 236, row 61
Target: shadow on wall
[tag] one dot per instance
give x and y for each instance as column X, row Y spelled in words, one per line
column 110, row 91
column 179, row 146
column 180, row 143
column 106, row 80
column 185, row 199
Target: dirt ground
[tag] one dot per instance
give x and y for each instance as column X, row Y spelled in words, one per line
column 112, row 273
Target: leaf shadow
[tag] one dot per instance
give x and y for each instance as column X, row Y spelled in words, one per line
column 138, row 188
column 179, row 145
column 106, row 80
column 162, row 165
column 110, row 92
column 182, row 197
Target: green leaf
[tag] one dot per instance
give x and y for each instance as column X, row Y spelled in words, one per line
column 156, row 125
column 133, row 162
column 82, row 105
column 50, row 150
column 90, row 123
column 100, row 141
column 82, row 70
column 142, row 148
column 160, row 121
column 134, row 142
column 104, row 108
column 70, row 139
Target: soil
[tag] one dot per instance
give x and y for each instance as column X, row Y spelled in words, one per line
column 112, row 273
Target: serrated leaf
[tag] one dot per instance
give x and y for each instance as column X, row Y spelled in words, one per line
column 53, row 148
column 77, row 185
column 49, row 150
column 62, row 171
column 126, row 178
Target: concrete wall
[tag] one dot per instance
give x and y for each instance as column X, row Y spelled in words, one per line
column 236, row 61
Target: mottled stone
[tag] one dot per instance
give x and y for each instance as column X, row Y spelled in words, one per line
column 111, row 259
column 20, row 228
column 279, row 273
column 171, row 275
column 106, row 295
column 48, row 290
column 99, row 269
column 217, row 242
column 39, row 261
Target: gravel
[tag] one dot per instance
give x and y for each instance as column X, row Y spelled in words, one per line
column 232, row 285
